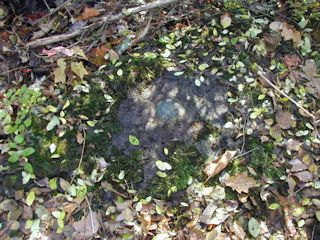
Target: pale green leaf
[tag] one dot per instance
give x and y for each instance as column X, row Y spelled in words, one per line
column 19, row 139
column 121, row 175
column 30, row 198
column 161, row 174
column 253, row 227
column 273, row 206
column 203, row 66
column 53, row 123
column 134, row 140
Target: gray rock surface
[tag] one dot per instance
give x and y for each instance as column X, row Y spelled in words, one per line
column 170, row 109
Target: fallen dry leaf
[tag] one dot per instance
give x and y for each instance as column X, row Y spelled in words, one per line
column 285, row 119
column 293, row 145
column 290, row 33
column 291, row 60
column 225, row 20
column 297, row 165
column 218, row 164
column 88, row 12
column 87, row 227
column 272, row 41
column 276, row 132
column 304, row 176
column 310, row 70
column 238, row 231
column 80, row 138
column 241, row 182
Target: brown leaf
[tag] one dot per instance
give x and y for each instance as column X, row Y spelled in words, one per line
column 304, row 176
column 88, row 13
column 218, row 164
column 87, row 227
column 241, row 182
column 225, row 20
column 297, row 165
column 272, row 41
column 238, row 231
column 291, row 60
column 293, row 145
column 276, row 132
column 310, row 70
column 290, row 33
column 285, row 119
column 80, row 138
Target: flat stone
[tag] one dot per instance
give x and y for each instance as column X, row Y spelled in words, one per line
column 169, row 109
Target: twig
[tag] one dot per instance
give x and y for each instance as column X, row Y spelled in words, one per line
column 91, row 216
column 244, row 133
column 298, row 105
column 261, row 74
column 103, row 20
column 313, row 229
column 52, row 12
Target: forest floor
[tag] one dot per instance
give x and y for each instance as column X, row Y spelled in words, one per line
column 159, row 120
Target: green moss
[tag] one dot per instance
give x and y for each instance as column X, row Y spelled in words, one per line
column 67, row 150
column 236, row 167
column 132, row 165
column 261, row 159
column 186, row 163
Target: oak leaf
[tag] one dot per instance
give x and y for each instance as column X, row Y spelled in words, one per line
column 241, row 182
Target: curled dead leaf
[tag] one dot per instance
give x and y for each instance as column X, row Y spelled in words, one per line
column 218, row 164
column 290, row 33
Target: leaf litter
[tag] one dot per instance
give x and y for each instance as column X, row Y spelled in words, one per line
column 277, row 166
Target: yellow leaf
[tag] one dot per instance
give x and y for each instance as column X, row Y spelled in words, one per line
column 59, row 72
column 78, row 68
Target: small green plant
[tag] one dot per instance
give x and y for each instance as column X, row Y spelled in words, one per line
column 16, row 113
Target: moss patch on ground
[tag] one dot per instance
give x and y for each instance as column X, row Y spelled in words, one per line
column 187, row 164
column 261, row 159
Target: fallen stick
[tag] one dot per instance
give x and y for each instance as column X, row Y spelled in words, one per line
column 103, row 20
column 298, row 105
column 261, row 74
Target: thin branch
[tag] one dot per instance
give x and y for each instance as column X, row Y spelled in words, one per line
column 91, row 216
column 298, row 105
column 102, row 20
column 261, row 74
column 52, row 11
